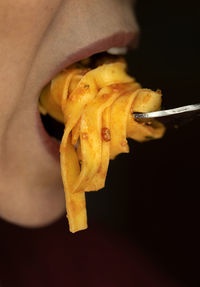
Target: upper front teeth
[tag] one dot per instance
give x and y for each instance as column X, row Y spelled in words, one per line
column 117, row 51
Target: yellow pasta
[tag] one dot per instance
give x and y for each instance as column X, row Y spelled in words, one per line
column 96, row 106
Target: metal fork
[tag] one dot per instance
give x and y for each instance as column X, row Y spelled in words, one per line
column 174, row 116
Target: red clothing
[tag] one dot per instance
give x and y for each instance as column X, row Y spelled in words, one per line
column 52, row 256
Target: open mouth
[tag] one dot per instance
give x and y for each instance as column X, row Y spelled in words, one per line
column 94, row 98
column 54, row 128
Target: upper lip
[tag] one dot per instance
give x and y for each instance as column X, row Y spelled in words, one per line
column 120, row 39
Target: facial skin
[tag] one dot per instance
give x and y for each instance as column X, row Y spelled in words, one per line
column 36, row 37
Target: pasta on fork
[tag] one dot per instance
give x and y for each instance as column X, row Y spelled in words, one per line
column 96, row 106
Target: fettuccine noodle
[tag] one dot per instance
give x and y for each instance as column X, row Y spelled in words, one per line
column 96, row 107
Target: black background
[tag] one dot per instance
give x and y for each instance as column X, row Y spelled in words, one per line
column 151, row 194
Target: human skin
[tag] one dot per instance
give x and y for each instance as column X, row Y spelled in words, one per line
column 36, row 39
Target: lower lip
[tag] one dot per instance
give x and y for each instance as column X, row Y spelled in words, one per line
column 49, row 142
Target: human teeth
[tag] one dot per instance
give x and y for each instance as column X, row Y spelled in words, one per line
column 117, row 51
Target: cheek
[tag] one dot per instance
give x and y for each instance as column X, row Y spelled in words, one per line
column 24, row 18
column 22, row 26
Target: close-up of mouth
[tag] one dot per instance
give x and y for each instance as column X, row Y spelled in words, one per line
column 114, row 48
column 93, row 97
